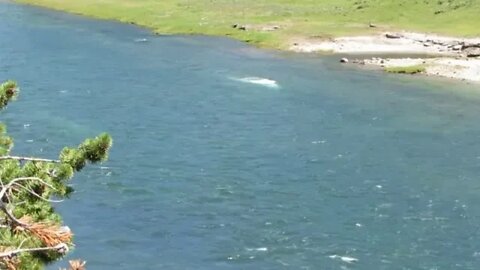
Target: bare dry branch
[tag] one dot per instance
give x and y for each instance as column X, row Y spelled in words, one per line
column 6, row 187
column 29, row 159
column 37, row 195
column 62, row 248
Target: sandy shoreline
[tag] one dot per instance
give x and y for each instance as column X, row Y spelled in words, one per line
column 449, row 57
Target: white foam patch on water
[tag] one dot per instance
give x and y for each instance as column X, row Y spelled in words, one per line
column 261, row 249
column 344, row 258
column 258, row 81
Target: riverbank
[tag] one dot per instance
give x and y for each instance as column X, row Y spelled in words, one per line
column 434, row 55
column 306, row 26
column 273, row 23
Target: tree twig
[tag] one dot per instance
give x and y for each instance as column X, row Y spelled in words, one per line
column 60, row 247
column 37, row 195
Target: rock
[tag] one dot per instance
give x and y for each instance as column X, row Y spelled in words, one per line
column 457, row 47
column 470, row 45
column 472, row 52
column 427, row 44
column 239, row 27
column 344, row 60
column 371, row 25
column 393, row 36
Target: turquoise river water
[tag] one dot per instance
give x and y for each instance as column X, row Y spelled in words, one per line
column 230, row 157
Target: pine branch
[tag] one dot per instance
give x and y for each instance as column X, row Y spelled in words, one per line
column 29, row 159
column 6, row 187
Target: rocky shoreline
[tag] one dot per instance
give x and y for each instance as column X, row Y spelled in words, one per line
column 436, row 55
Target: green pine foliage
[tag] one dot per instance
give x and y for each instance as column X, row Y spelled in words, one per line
column 31, row 232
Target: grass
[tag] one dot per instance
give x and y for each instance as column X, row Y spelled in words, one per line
column 296, row 18
column 407, row 69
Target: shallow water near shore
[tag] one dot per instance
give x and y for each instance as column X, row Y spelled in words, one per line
column 336, row 168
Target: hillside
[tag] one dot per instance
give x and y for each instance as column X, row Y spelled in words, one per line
column 261, row 18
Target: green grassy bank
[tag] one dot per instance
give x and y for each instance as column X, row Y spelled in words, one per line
column 295, row 18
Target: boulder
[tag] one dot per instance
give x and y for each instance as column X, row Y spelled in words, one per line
column 239, row 27
column 393, row 36
column 472, row 52
column 344, row 60
column 457, row 47
column 470, row 45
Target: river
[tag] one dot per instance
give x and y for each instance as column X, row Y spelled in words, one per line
column 230, row 157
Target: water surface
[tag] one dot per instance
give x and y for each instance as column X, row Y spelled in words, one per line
column 213, row 170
